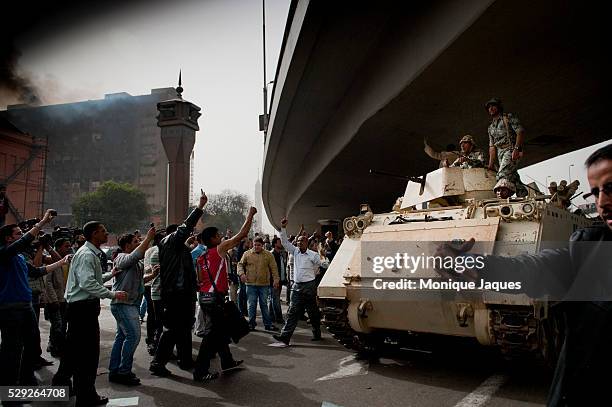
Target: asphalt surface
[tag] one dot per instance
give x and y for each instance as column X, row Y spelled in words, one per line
column 323, row 374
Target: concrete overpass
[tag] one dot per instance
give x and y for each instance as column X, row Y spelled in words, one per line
column 360, row 84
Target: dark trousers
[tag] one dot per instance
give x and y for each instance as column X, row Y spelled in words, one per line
column 18, row 330
column 178, row 318
column 303, row 297
column 37, row 350
column 82, row 352
column 242, row 300
column 152, row 318
column 288, row 291
column 215, row 340
column 158, row 307
column 56, row 315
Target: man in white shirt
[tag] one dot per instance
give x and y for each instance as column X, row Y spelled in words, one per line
column 306, row 265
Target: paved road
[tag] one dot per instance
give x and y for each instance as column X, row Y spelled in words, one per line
column 325, row 374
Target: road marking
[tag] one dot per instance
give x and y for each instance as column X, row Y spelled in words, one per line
column 483, row 393
column 278, row 345
column 348, row 366
column 125, row 402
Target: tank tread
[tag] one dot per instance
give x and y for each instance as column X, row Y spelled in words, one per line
column 335, row 319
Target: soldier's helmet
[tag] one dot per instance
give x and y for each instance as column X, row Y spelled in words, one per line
column 494, row 101
column 467, row 139
column 504, row 183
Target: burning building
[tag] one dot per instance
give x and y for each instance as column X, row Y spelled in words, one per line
column 115, row 138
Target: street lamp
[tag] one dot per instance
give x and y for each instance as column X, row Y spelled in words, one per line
column 569, row 173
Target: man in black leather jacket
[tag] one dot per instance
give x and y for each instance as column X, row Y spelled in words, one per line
column 581, row 277
column 178, row 289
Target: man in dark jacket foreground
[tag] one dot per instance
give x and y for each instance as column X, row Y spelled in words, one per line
column 580, row 276
column 178, row 295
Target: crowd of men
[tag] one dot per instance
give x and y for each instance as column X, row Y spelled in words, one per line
column 183, row 277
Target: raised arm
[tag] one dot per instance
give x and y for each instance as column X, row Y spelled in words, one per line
column 284, row 239
column 225, row 245
column 144, row 245
column 431, row 152
column 184, row 231
column 124, row 262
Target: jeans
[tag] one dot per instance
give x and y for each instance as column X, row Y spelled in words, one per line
column 126, row 339
column 18, row 329
column 143, row 308
column 274, row 305
column 303, row 297
column 261, row 293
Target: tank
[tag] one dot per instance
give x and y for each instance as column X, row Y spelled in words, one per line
column 448, row 204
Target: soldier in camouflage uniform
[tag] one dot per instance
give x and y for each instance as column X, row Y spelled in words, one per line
column 506, row 137
column 470, row 157
column 504, row 189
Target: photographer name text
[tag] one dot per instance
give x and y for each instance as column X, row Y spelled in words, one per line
column 432, row 284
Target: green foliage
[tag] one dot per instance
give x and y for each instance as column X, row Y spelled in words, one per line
column 226, row 210
column 120, row 206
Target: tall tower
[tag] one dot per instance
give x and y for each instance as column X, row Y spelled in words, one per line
column 178, row 120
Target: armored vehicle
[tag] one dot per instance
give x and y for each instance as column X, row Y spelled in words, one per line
column 448, row 204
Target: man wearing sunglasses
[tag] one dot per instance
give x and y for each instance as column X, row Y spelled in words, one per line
column 579, row 277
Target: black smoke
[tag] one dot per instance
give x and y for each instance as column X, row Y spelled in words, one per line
column 13, row 85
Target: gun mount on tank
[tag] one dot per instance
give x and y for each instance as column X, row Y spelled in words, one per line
column 445, row 205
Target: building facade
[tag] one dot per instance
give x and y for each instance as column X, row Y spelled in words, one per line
column 90, row 142
column 22, row 174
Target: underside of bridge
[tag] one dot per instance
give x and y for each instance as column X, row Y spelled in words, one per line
column 359, row 85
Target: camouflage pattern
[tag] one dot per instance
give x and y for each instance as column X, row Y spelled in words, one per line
column 504, row 183
column 508, row 169
column 499, row 136
column 503, row 139
column 475, row 159
column 467, row 139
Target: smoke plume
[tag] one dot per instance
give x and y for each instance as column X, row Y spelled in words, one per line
column 15, row 87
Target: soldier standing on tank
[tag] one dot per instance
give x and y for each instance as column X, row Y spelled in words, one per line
column 506, row 138
column 470, row 157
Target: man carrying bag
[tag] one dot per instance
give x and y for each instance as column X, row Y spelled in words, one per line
column 222, row 320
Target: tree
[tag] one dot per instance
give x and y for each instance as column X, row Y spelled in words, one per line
column 120, row 206
column 226, row 210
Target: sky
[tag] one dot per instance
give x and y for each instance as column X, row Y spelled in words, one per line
column 218, row 47
column 562, row 167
